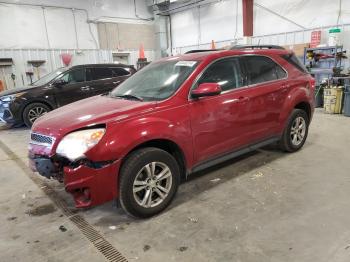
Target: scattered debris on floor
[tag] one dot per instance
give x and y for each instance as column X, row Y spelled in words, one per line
column 347, row 247
column 112, row 227
column 257, row 175
column 182, row 249
column 215, row 180
column 42, row 210
column 193, row 219
column 24, row 196
column 63, row 228
column 11, row 218
column 146, row 247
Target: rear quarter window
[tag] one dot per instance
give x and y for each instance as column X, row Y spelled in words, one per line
column 262, row 69
column 293, row 60
column 118, row 71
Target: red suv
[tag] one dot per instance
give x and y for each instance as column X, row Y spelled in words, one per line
column 174, row 117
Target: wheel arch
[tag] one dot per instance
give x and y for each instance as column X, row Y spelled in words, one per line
column 36, row 101
column 167, row 145
column 304, row 106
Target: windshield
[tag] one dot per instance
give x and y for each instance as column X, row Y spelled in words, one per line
column 49, row 77
column 156, row 81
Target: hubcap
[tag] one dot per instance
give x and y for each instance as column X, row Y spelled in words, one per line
column 35, row 113
column 152, row 184
column 298, row 130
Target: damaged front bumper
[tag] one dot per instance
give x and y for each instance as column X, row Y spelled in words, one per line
column 89, row 185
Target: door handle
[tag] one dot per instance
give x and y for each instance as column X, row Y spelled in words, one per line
column 243, row 99
column 85, row 88
column 284, row 87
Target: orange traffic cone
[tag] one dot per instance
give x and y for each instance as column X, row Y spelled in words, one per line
column 141, row 52
column 213, row 44
column 142, row 61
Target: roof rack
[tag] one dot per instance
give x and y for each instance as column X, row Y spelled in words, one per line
column 235, row 47
column 202, row 50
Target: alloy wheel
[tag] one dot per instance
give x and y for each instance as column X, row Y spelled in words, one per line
column 152, row 184
column 298, row 131
column 35, row 113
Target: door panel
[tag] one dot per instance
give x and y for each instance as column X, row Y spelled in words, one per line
column 216, row 123
column 75, row 88
column 267, row 92
column 220, row 124
column 104, row 80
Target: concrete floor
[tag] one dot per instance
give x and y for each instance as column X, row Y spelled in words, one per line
column 265, row 206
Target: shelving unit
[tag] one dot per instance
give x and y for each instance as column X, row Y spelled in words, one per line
column 323, row 67
column 324, row 63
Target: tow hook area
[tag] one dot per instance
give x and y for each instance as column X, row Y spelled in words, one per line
column 45, row 167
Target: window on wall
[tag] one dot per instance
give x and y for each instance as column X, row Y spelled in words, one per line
column 262, row 69
column 226, row 72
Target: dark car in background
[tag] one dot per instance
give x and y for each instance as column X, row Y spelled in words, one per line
column 60, row 87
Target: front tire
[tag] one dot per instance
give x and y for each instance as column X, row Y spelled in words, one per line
column 148, row 182
column 33, row 111
column 296, row 131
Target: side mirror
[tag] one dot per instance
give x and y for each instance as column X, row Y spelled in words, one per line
column 60, row 82
column 206, row 89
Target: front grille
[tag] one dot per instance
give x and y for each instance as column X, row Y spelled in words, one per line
column 41, row 139
column 7, row 114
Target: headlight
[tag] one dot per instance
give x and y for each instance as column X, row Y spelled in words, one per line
column 9, row 98
column 74, row 145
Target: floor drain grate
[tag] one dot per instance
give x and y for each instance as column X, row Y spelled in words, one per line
column 100, row 243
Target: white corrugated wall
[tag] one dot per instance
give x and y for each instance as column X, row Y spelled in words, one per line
column 54, row 61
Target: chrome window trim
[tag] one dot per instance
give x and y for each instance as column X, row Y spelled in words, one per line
column 241, row 87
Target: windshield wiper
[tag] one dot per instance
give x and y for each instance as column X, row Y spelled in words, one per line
column 129, row 97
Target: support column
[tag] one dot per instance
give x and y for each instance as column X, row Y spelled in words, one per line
column 247, row 6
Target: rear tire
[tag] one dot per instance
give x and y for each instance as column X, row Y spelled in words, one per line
column 33, row 111
column 296, row 131
column 148, row 182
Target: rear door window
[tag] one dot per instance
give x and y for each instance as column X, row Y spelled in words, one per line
column 226, row 72
column 263, row 69
column 118, row 71
column 98, row 73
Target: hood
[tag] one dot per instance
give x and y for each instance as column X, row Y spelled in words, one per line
column 88, row 112
column 16, row 90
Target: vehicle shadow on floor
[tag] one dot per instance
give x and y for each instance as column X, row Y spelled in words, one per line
column 205, row 180
column 196, row 184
